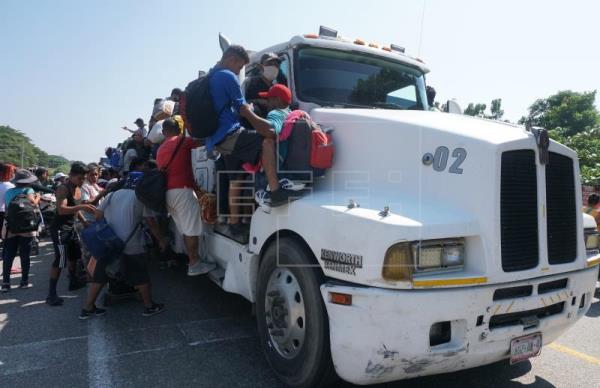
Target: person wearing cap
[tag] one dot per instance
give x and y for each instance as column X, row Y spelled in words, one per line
column 269, row 73
column 21, row 242
column 59, row 179
column 67, row 249
column 141, row 127
column 278, row 98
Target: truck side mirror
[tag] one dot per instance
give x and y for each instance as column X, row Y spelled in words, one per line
column 224, row 42
column 452, row 106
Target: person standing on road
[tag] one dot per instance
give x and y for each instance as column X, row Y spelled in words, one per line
column 593, row 207
column 14, row 241
column 67, row 250
column 42, row 185
column 7, row 173
column 182, row 203
column 90, row 193
column 90, row 188
column 126, row 214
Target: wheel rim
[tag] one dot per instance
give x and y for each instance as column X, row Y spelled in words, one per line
column 285, row 313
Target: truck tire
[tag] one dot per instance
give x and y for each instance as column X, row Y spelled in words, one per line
column 291, row 317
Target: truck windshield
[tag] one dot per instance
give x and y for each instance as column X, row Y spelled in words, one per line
column 351, row 79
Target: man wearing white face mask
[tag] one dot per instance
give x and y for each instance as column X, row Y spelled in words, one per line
column 269, row 71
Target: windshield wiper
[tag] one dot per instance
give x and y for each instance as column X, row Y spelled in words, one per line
column 333, row 104
column 359, row 106
column 388, row 105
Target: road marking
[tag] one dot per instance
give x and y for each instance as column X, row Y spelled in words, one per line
column 575, row 353
column 99, row 344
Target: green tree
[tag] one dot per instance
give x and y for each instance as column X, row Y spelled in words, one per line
column 587, row 145
column 572, row 111
column 475, row 109
column 17, row 148
column 496, row 109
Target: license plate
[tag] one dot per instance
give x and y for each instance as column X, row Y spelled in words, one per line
column 525, row 347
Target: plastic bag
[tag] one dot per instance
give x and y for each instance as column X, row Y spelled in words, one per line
column 163, row 109
column 156, row 136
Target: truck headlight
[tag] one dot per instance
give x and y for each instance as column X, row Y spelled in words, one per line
column 438, row 254
column 398, row 263
column 592, row 241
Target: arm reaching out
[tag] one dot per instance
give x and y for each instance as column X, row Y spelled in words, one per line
column 62, row 206
column 262, row 126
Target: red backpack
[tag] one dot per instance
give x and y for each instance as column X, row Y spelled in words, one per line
column 321, row 150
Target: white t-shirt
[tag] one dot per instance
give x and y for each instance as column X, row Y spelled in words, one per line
column 4, row 187
column 123, row 212
column 128, row 158
column 89, row 191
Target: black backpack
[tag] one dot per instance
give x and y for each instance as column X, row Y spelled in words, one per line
column 197, row 109
column 299, row 145
column 151, row 190
column 22, row 216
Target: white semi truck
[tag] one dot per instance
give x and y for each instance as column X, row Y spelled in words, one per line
column 438, row 242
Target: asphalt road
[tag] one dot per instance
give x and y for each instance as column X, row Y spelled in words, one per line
column 207, row 337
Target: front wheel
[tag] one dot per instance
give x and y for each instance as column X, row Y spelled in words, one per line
column 292, row 320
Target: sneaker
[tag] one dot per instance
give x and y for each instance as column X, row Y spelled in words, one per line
column 201, row 268
column 96, row 312
column 5, row 287
column 54, row 301
column 281, row 197
column 156, row 308
column 24, row 285
column 76, row 285
column 289, row 184
column 263, row 199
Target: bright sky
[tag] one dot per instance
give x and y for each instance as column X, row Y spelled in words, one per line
column 73, row 72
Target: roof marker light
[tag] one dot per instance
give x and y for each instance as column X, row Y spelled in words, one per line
column 397, row 48
column 327, row 32
column 359, row 41
column 387, row 49
column 374, row 45
column 311, row 36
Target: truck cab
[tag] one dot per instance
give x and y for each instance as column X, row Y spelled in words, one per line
column 437, row 242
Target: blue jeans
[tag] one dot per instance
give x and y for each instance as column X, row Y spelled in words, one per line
column 11, row 246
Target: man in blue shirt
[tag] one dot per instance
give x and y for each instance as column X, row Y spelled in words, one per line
column 239, row 145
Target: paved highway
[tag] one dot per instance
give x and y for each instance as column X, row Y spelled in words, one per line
column 207, row 337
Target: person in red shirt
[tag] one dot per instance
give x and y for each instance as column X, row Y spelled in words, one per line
column 182, row 203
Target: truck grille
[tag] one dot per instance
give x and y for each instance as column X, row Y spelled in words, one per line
column 562, row 221
column 525, row 317
column 518, row 211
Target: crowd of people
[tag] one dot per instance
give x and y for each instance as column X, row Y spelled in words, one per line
column 249, row 121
